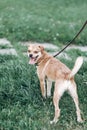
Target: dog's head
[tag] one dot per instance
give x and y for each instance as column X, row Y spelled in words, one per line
column 35, row 52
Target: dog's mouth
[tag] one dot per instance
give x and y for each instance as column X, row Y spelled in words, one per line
column 33, row 60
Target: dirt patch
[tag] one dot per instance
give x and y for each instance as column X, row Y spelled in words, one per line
column 82, row 48
column 54, row 49
column 8, row 52
column 46, row 45
column 4, row 41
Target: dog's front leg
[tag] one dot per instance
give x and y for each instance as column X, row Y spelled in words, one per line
column 43, row 88
column 49, row 85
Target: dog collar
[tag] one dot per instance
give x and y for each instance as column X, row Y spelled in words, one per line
column 36, row 64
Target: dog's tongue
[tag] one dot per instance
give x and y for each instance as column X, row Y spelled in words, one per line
column 32, row 61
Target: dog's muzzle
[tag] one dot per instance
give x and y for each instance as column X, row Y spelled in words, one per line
column 32, row 59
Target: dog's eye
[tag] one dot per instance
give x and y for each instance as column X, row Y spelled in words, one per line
column 36, row 52
column 29, row 51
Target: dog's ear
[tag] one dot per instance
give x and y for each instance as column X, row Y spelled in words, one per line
column 41, row 47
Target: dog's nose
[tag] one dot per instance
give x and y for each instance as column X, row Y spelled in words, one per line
column 30, row 55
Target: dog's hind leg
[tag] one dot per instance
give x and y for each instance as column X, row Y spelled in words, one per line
column 73, row 92
column 58, row 92
column 49, row 85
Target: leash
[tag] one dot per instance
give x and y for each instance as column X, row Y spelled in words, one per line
column 72, row 39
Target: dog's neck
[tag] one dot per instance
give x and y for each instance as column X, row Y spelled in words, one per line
column 45, row 57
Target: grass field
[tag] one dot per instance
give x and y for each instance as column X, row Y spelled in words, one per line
column 50, row 21
column 21, row 104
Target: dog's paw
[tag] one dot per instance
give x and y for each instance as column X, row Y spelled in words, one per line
column 54, row 121
column 44, row 95
column 48, row 95
column 80, row 120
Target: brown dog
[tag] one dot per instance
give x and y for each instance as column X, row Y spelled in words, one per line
column 54, row 70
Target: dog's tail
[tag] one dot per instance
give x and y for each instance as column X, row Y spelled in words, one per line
column 76, row 67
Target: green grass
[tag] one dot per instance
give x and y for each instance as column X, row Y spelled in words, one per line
column 76, row 52
column 49, row 21
column 5, row 46
column 21, row 104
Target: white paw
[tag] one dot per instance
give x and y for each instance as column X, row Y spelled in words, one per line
column 80, row 120
column 51, row 122
column 54, row 121
column 48, row 95
column 44, row 96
